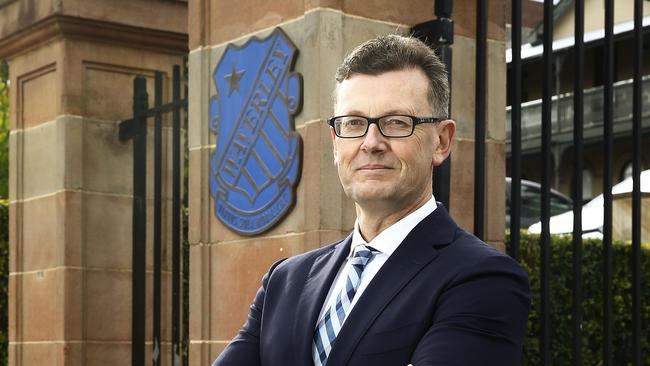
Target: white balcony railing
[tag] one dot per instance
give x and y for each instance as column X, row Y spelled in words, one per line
column 562, row 114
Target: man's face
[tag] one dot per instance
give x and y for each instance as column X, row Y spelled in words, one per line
column 391, row 171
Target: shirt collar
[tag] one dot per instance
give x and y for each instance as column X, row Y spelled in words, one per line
column 389, row 239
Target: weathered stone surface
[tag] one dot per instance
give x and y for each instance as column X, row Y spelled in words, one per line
column 495, row 192
column 463, row 109
column 43, row 248
column 199, row 353
column 73, row 152
column 113, row 323
column 170, row 16
column 36, row 75
column 39, row 300
column 207, row 25
column 496, row 91
column 108, row 353
column 40, row 150
column 42, row 155
column 200, row 88
column 463, row 81
column 462, row 187
column 233, row 286
column 199, row 292
column 46, row 353
column 108, row 162
column 105, row 69
column 462, row 183
column 198, row 196
column 108, row 233
column 464, row 15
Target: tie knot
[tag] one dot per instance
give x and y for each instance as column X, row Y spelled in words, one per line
column 362, row 255
column 364, row 251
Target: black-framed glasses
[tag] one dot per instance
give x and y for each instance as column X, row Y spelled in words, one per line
column 393, row 125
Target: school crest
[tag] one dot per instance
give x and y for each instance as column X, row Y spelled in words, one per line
column 256, row 164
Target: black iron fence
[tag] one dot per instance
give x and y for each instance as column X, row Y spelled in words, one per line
column 136, row 129
column 438, row 33
column 549, row 75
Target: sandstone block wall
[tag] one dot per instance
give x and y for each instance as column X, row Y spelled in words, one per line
column 226, row 268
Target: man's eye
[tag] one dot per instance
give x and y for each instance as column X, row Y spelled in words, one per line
column 396, row 123
column 353, row 122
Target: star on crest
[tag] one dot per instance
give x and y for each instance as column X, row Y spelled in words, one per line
column 233, row 78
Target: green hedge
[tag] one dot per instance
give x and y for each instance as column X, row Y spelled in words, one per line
column 4, row 279
column 592, row 285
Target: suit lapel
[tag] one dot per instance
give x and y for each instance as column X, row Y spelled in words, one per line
column 417, row 250
column 310, row 302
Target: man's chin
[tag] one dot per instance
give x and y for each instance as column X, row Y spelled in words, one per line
column 363, row 195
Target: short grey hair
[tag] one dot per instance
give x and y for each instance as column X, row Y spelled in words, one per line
column 394, row 53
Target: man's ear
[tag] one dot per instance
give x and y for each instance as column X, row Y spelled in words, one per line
column 335, row 152
column 446, row 130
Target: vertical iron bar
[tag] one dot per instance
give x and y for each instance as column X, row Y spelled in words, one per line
column 140, row 106
column 636, row 183
column 608, row 116
column 547, row 90
column 578, row 98
column 176, row 216
column 515, row 136
column 441, row 178
column 157, row 223
column 479, row 143
column 442, row 173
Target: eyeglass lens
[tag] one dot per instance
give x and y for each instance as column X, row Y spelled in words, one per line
column 391, row 126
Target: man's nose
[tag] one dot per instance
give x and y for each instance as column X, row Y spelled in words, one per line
column 373, row 141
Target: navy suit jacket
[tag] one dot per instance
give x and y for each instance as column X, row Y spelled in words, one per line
column 443, row 297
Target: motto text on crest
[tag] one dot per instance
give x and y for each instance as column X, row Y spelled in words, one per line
column 256, row 165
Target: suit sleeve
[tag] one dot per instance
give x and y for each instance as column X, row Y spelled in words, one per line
column 480, row 318
column 244, row 349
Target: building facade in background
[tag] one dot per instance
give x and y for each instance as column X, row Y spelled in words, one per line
column 562, row 105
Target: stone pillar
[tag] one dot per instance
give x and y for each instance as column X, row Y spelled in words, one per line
column 463, row 112
column 225, row 268
column 72, row 63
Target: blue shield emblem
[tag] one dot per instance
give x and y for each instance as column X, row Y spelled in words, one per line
column 256, row 164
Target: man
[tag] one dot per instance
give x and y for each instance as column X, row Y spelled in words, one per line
column 407, row 286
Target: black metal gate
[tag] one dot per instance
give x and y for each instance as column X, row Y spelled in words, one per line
column 136, row 129
column 548, row 92
column 438, row 33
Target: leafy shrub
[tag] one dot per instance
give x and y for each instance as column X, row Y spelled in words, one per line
column 561, row 297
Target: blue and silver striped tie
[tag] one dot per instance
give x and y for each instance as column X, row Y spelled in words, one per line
column 330, row 325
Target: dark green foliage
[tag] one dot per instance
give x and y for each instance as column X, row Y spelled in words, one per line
column 562, row 296
column 4, row 279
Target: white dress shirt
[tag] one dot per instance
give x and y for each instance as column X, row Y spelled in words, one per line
column 386, row 243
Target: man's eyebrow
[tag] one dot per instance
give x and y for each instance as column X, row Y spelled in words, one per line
column 407, row 111
column 386, row 113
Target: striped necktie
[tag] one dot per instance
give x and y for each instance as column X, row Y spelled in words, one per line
column 330, row 325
